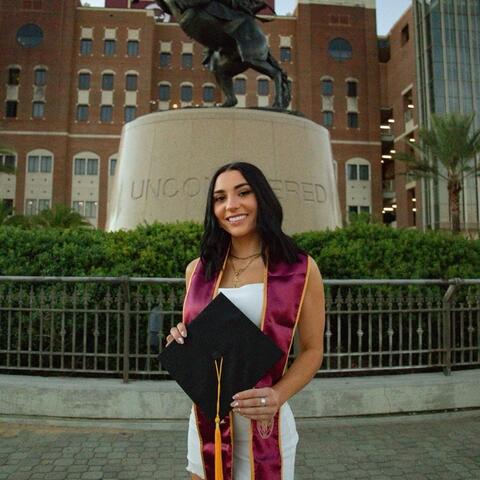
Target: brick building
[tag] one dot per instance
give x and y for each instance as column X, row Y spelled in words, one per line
column 74, row 75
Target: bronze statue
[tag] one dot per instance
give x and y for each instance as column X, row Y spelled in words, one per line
column 234, row 42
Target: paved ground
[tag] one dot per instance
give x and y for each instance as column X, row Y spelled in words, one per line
column 428, row 446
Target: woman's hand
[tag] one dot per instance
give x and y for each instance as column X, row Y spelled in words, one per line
column 177, row 333
column 257, row 403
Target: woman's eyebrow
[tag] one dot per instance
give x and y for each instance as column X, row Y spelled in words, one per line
column 235, row 187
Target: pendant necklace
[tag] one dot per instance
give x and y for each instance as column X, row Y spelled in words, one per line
column 237, row 273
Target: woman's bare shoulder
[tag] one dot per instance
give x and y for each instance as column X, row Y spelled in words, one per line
column 190, row 269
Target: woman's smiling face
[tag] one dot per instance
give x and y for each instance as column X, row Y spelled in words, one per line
column 235, row 204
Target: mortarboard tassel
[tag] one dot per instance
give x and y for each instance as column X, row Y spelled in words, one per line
column 218, row 435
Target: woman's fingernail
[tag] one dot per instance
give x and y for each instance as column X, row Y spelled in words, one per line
column 234, row 404
column 181, row 340
column 184, row 334
column 235, row 396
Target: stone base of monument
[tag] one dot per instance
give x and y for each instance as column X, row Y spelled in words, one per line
column 166, row 160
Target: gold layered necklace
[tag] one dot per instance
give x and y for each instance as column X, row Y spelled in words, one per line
column 238, row 272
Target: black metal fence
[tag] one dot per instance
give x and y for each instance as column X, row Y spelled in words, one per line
column 117, row 326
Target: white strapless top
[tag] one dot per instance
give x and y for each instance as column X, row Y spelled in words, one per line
column 248, row 299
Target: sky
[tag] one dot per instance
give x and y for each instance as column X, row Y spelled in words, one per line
column 388, row 11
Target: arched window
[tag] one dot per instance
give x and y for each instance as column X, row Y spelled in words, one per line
column 340, row 49
column 40, row 76
column 86, row 163
column 208, row 93
column 13, row 75
column 84, row 80
column 131, row 82
column 327, row 87
column 107, row 81
column 164, row 92
column 262, row 86
column 186, row 93
column 40, row 161
column 240, row 85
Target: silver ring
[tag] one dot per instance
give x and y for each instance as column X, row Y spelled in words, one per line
column 263, row 401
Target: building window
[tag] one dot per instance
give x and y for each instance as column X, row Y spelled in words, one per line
column 7, row 161
column 82, row 113
column 109, row 47
column 13, row 76
column 113, row 166
column 30, row 206
column 45, row 164
column 80, row 166
column 84, row 81
column 107, row 81
column 130, row 113
column 352, row 90
column 43, row 205
column 327, row 87
column 40, row 77
column 208, row 93
column 85, row 46
column 352, row 171
column 36, row 163
column 165, row 59
column 328, row 119
column 91, row 209
column 262, row 86
column 186, row 93
column 33, row 163
column 133, row 48
column 11, row 109
column 8, row 205
column 363, row 171
column 92, row 166
column 106, row 113
column 285, row 54
column 164, row 92
column 78, row 207
column 38, row 109
column 240, row 85
column 131, row 82
column 187, row 60
column 84, row 166
column 405, row 35
column 340, row 49
column 352, row 120
column 30, row 35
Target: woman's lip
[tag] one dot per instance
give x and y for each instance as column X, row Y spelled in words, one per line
column 242, row 215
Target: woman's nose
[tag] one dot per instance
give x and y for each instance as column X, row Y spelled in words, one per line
column 232, row 203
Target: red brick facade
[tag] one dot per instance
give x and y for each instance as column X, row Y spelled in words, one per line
column 308, row 34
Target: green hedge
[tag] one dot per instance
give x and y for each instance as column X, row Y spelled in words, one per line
column 361, row 250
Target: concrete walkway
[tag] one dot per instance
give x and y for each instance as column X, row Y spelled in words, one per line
column 413, row 447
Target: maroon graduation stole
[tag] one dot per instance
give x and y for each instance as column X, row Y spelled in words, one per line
column 284, row 289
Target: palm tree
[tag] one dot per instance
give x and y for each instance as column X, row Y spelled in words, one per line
column 445, row 151
column 60, row 216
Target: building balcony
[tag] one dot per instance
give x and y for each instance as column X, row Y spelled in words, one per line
column 388, row 188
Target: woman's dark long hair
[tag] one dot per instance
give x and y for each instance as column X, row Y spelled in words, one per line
column 215, row 240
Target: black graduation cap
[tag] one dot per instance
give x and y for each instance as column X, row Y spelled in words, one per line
column 220, row 340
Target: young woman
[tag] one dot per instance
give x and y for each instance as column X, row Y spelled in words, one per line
column 246, row 256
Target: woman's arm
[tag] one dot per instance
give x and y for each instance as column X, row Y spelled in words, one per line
column 179, row 332
column 311, row 326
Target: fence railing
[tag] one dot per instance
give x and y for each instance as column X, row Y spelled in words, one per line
column 116, row 326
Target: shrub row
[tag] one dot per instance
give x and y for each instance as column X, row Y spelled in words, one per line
column 361, row 250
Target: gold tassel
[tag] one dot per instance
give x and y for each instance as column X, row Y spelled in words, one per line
column 218, row 435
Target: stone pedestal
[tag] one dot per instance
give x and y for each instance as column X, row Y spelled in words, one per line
column 166, row 160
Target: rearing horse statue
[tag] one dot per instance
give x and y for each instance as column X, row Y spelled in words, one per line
column 234, row 40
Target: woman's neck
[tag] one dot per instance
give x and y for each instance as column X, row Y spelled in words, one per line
column 245, row 246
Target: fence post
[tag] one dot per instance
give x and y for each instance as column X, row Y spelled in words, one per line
column 126, row 327
column 447, row 325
